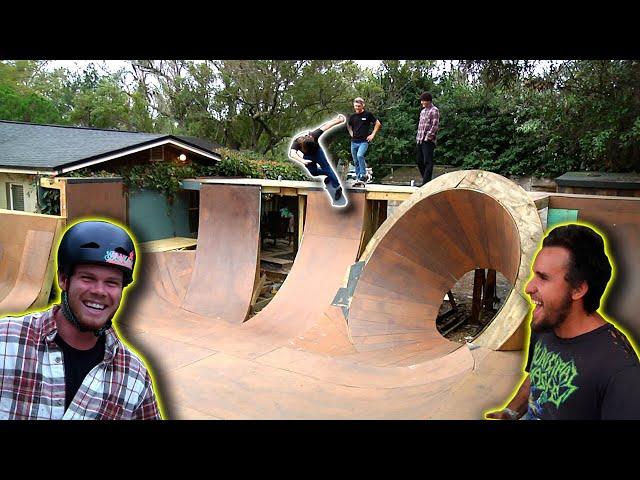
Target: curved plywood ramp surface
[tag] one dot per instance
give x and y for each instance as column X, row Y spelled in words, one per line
column 329, row 246
column 27, row 244
column 227, row 253
column 298, row 358
column 169, row 273
column 456, row 223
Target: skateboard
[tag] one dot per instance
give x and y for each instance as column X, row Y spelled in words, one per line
column 363, row 183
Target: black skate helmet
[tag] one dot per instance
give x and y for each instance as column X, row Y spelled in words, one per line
column 100, row 243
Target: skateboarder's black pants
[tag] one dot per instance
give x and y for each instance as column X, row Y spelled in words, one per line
column 425, row 160
column 321, row 166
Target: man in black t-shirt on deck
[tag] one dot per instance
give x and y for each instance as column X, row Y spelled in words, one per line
column 359, row 126
column 580, row 366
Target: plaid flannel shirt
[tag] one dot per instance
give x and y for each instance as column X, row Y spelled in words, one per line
column 429, row 124
column 32, row 383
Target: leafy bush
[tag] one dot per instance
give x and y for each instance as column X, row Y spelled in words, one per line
column 249, row 164
column 166, row 177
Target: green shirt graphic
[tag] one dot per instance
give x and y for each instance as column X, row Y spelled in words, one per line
column 592, row 376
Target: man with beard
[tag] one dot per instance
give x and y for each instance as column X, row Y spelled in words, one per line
column 67, row 362
column 580, row 367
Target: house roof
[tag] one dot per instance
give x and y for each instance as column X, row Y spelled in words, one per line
column 200, row 142
column 57, row 148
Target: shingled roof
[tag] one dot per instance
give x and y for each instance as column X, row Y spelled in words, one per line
column 57, row 148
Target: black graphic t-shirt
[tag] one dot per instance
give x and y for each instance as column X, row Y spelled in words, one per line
column 361, row 124
column 592, row 376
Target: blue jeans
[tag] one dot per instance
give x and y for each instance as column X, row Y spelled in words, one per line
column 358, row 150
column 320, row 166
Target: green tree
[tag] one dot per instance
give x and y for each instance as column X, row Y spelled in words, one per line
column 105, row 105
column 26, row 106
column 508, row 116
column 19, row 101
column 264, row 102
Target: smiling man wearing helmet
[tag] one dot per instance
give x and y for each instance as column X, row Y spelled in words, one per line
column 67, row 362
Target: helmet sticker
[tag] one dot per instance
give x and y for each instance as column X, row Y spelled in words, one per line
column 119, row 259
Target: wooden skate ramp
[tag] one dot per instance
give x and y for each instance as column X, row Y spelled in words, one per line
column 455, row 224
column 27, row 249
column 227, row 253
column 329, row 245
column 299, row 358
column 168, row 273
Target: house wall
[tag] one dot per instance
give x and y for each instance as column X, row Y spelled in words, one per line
column 101, row 197
column 29, row 181
column 30, row 190
column 170, row 154
column 152, row 217
column 137, row 158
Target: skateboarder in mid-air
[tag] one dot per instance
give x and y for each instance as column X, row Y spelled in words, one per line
column 306, row 151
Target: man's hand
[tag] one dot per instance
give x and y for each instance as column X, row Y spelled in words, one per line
column 296, row 157
column 371, row 137
column 504, row 414
column 518, row 403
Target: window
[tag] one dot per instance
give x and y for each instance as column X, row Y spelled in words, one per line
column 157, row 154
column 15, row 196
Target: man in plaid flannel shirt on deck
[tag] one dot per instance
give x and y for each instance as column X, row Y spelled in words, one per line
column 67, row 362
column 428, row 126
